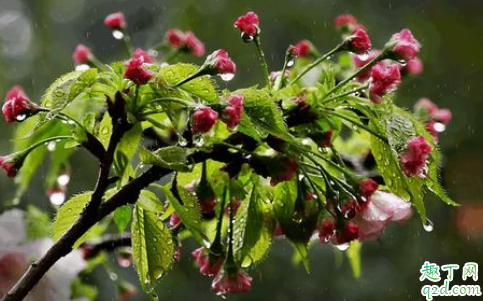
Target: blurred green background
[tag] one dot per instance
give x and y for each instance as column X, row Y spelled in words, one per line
column 37, row 38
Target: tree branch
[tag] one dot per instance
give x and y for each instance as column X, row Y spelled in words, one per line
column 108, row 245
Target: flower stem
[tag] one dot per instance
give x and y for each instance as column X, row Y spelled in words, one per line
column 263, row 61
column 199, row 73
column 358, row 72
column 281, row 78
column 316, row 62
column 361, row 88
column 127, row 42
column 384, row 139
column 40, row 143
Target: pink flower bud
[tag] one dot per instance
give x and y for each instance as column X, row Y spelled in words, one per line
column 413, row 159
column 403, row 46
column 359, row 42
column 136, row 71
column 8, row 164
column 293, row 51
column 430, row 127
column 115, row 21
column 413, row 67
column 360, row 62
column 17, row 106
column 81, row 55
column 204, row 119
column 175, row 38
column 426, row 106
column 347, row 22
column 305, row 48
column 232, row 113
column 194, row 45
column 220, row 63
column 139, row 52
column 443, row 115
column 248, row 24
column 384, row 80
column 208, row 265
column 368, row 187
column 226, row 282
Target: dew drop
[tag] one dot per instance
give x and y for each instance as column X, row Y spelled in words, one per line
column 428, row 226
column 439, row 127
column 63, row 179
column 21, row 117
column 117, row 34
column 57, row 198
column 51, row 146
column 342, row 247
column 402, row 62
column 246, row 38
column 364, row 56
column 82, row 67
column 290, row 63
column 227, row 76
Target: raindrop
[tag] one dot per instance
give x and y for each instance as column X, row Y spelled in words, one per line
column 364, row 56
column 342, row 247
column 57, row 198
column 82, row 67
column 124, row 259
column 117, row 34
column 305, row 141
column 290, row 63
column 439, row 127
column 21, row 117
column 51, row 146
column 63, row 179
column 428, row 226
column 329, row 57
column 402, row 62
column 227, row 76
column 199, row 140
column 247, row 38
column 326, row 239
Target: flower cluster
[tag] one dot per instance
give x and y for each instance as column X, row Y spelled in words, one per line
column 436, row 118
column 204, row 118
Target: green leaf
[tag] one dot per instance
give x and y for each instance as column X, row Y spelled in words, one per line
column 171, row 157
column 149, row 201
column 38, row 223
column 387, row 159
column 105, row 130
column 188, row 212
column 252, row 237
column 264, row 113
column 354, row 255
column 68, row 215
column 202, row 86
column 57, row 95
column 122, row 217
column 152, row 247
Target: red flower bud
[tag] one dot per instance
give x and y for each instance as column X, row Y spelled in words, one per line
column 139, row 52
column 136, row 72
column 8, row 164
column 232, row 113
column 413, row 159
column 203, row 120
column 17, row 106
column 359, row 42
column 326, row 230
column 348, row 233
column 368, row 187
column 403, row 46
column 384, row 80
column 174, row 220
column 194, row 45
column 248, row 25
column 293, row 51
column 82, row 54
column 220, row 63
column 304, row 48
column 175, row 38
column 115, row 21
column 347, row 22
